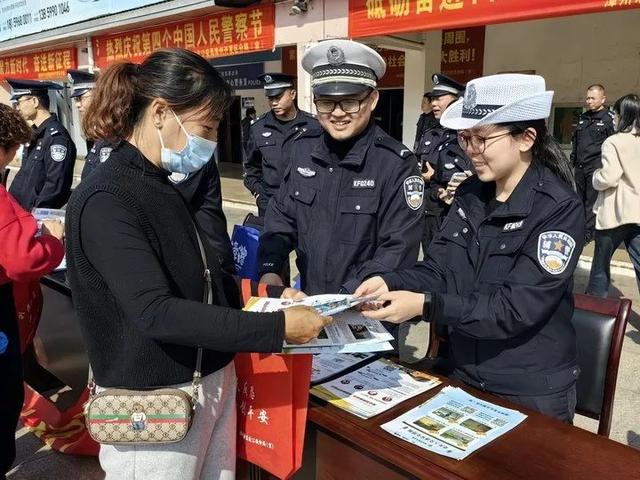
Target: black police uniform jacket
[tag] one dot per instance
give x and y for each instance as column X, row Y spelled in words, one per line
column 98, row 153
column 45, row 177
column 592, row 130
column 200, row 190
column 440, row 148
column 348, row 217
column 502, row 284
column 267, row 154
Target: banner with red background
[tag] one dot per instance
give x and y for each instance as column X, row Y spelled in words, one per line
column 217, row 35
column 463, row 53
column 381, row 17
column 46, row 65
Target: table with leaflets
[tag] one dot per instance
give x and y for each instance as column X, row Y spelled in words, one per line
column 537, row 447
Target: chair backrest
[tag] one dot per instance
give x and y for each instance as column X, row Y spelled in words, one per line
column 600, row 326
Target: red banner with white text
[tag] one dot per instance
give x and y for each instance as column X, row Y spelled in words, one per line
column 232, row 32
column 382, row 17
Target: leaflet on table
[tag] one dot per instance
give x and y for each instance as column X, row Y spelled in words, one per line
column 41, row 214
column 375, row 388
column 325, row 304
column 454, row 423
column 327, row 365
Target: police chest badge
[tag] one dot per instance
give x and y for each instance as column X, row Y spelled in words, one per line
column 104, row 154
column 306, row 172
column 414, row 191
column 58, row 152
column 554, row 251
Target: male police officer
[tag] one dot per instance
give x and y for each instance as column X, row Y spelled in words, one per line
column 98, row 151
column 270, row 137
column 351, row 201
column 594, row 126
column 426, row 120
column 440, row 155
column 46, row 174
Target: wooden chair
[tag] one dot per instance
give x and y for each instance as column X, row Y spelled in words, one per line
column 600, row 325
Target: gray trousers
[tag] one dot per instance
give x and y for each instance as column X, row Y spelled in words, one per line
column 207, row 452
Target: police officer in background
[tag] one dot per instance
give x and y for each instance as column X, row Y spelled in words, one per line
column 270, row 136
column 594, row 126
column 426, row 120
column 97, row 151
column 351, row 201
column 440, row 155
column 46, row 173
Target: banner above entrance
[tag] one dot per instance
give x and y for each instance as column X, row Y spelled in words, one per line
column 219, row 35
column 382, row 17
column 45, row 65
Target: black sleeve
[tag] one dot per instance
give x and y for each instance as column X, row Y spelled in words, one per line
column 253, row 165
column 210, row 216
column 116, row 246
column 59, row 160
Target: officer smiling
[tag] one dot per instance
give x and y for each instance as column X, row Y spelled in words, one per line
column 351, row 202
column 46, row 173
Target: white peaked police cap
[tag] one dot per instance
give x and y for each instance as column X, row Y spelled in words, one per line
column 509, row 97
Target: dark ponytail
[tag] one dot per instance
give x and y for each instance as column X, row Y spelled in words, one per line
column 546, row 149
column 124, row 90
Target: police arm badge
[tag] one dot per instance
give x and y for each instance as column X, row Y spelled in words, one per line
column 58, row 152
column 414, row 191
column 555, row 250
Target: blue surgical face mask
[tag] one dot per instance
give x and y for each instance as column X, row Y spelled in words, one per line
column 195, row 154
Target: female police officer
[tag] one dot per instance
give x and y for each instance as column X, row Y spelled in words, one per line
column 498, row 275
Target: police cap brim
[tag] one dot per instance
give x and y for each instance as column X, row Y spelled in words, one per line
column 338, row 89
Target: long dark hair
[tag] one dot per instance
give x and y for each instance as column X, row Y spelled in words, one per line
column 546, row 149
column 628, row 110
column 182, row 78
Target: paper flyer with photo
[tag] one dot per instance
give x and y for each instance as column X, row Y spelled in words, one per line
column 330, row 304
column 375, row 388
column 350, row 332
column 454, row 423
column 41, row 214
column 327, row 365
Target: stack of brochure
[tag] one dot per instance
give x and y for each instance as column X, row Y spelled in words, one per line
column 350, row 332
column 374, row 388
column 41, row 214
column 327, row 365
column 454, row 423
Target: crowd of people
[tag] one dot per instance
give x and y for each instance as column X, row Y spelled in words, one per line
column 500, row 211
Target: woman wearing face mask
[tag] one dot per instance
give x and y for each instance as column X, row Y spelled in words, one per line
column 498, row 275
column 136, row 270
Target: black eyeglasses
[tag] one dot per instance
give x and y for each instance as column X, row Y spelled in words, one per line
column 348, row 105
column 477, row 143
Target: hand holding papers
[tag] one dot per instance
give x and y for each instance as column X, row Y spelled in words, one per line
column 454, row 423
column 44, row 215
column 374, row 388
column 350, row 331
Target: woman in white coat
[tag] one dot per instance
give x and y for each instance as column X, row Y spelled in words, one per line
column 617, row 208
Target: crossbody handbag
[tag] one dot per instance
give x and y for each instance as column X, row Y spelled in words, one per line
column 118, row 416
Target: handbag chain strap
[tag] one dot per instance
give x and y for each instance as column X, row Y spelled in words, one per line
column 208, row 299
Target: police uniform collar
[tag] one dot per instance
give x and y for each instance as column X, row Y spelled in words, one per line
column 356, row 148
column 272, row 121
column 46, row 124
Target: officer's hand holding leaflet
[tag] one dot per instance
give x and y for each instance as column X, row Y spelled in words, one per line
column 303, row 324
column 397, row 307
column 293, row 294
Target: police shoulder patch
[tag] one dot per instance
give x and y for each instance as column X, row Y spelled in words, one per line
column 58, row 152
column 105, row 152
column 555, row 250
column 414, row 191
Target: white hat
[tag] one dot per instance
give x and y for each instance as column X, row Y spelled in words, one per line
column 342, row 67
column 508, row 97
